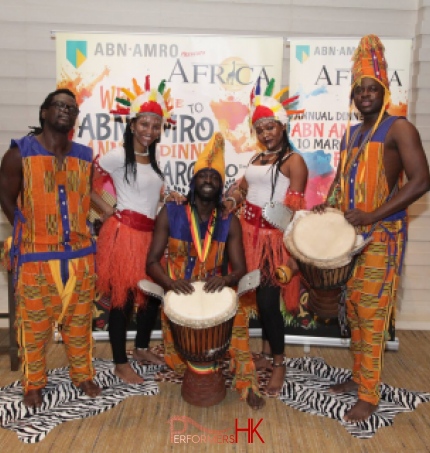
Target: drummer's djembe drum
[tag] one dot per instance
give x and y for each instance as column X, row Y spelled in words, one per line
column 201, row 325
column 326, row 248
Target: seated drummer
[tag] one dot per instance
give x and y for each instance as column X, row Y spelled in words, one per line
column 196, row 235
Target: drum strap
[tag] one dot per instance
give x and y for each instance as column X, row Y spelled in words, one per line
column 342, row 318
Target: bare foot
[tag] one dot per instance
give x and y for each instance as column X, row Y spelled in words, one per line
column 276, row 381
column 90, row 388
column 345, row 387
column 361, row 411
column 263, row 362
column 254, row 401
column 146, row 355
column 126, row 373
column 33, row 398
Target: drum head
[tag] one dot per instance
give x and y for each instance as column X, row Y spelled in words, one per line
column 324, row 237
column 200, row 309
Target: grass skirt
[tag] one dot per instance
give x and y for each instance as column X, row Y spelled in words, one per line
column 121, row 261
column 267, row 254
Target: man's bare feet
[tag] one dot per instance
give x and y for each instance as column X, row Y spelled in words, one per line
column 361, row 411
column 254, row 401
column 346, row 387
column 33, row 398
column 146, row 355
column 90, row 388
column 276, row 381
column 126, row 373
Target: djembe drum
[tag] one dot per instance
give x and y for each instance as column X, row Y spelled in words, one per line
column 326, row 248
column 201, row 325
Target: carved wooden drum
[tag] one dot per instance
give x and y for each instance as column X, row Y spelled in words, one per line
column 201, row 325
column 201, row 322
column 326, row 247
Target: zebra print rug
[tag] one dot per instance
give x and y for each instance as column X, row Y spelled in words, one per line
column 62, row 401
column 306, row 388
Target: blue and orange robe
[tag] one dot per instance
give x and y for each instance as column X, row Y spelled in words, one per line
column 183, row 263
column 371, row 291
column 52, row 257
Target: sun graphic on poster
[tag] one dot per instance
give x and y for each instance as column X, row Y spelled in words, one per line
column 236, row 74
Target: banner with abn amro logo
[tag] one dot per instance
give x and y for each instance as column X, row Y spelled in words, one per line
column 210, row 78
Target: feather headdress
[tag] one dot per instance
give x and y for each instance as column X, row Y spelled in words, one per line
column 267, row 106
column 145, row 101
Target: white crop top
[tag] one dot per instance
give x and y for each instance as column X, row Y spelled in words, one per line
column 140, row 195
column 259, row 179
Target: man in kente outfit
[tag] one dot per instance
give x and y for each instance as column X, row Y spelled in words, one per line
column 197, row 235
column 45, row 193
column 369, row 189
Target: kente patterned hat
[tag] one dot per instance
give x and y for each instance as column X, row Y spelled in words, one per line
column 369, row 61
column 271, row 107
column 212, row 156
column 145, row 101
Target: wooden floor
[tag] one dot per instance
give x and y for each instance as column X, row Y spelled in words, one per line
column 141, row 424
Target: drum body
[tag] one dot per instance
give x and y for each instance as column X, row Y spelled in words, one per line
column 314, row 241
column 202, row 345
column 325, row 287
column 201, row 326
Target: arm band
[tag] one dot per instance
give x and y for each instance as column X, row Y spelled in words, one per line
column 295, row 200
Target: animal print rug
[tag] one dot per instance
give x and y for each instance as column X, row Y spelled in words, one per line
column 62, row 401
column 306, row 388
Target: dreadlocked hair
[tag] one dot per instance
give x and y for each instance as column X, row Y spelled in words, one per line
column 130, row 165
column 276, row 166
column 36, row 130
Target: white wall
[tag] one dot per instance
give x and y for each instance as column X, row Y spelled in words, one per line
column 27, row 71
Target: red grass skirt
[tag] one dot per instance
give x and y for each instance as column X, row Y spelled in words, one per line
column 121, row 261
column 267, row 253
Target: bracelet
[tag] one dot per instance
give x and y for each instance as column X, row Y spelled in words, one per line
column 166, row 197
column 233, row 200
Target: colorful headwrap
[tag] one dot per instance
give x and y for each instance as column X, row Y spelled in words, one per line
column 147, row 101
column 212, row 156
column 271, row 107
column 369, row 61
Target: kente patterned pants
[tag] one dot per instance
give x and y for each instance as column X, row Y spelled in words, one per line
column 370, row 301
column 44, row 297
